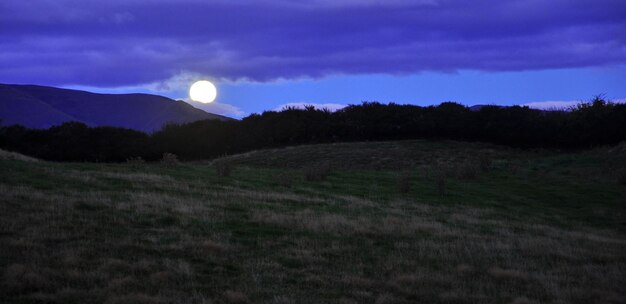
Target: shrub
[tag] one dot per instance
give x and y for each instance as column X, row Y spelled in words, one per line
column 223, row 169
column 169, row 159
column 317, row 172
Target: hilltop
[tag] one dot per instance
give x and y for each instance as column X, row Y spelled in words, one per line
column 42, row 107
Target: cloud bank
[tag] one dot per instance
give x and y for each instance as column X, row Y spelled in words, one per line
column 218, row 108
column 129, row 42
column 562, row 105
column 320, row 106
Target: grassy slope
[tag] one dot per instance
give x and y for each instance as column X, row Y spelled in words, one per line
column 511, row 226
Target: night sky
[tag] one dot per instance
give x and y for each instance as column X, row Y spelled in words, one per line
column 263, row 54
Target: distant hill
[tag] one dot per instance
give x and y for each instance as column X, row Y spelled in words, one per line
column 478, row 107
column 42, row 107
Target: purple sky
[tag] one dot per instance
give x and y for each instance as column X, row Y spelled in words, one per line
column 161, row 45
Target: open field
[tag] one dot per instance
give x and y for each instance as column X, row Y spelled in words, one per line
column 390, row 222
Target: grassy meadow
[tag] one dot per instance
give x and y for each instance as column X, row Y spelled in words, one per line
column 376, row 222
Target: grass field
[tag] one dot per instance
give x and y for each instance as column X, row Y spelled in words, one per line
column 380, row 222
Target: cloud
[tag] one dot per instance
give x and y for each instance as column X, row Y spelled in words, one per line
column 118, row 18
column 172, row 87
column 552, row 105
column 562, row 105
column 181, row 81
column 320, row 106
column 130, row 42
column 218, row 108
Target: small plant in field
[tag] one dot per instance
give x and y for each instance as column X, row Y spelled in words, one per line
column 317, row 172
column 169, row 159
column 223, row 169
column 404, row 182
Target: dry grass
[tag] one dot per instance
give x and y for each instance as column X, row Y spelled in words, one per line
column 404, row 182
column 136, row 161
column 374, row 155
column 344, row 225
column 138, row 177
column 223, row 168
column 621, row 177
column 169, row 160
column 284, row 179
column 468, row 170
column 318, row 171
column 441, row 182
column 235, row 297
column 8, row 155
column 151, row 234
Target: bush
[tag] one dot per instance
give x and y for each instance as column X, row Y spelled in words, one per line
column 169, row 159
column 583, row 127
column 317, row 172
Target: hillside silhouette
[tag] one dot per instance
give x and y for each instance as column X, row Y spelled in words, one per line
column 591, row 124
column 43, row 107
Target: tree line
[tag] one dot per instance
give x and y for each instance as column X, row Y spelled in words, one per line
column 586, row 125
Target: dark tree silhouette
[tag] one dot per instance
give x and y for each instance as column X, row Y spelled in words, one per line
column 591, row 124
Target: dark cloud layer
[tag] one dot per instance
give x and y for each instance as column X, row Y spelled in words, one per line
column 126, row 42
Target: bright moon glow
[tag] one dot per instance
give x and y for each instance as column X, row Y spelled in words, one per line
column 203, row 91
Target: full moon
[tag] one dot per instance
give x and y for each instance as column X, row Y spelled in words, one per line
column 203, row 91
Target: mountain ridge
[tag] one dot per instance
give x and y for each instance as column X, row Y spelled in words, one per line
column 41, row 107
